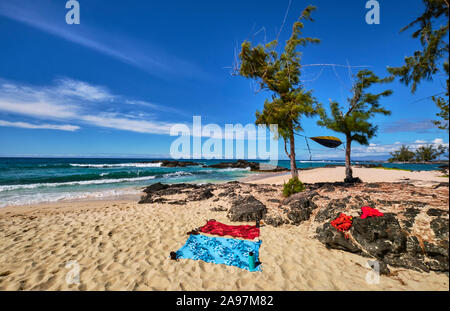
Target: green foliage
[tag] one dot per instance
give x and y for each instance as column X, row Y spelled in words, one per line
column 429, row 153
column 432, row 31
column 402, row 155
column 293, row 186
column 279, row 73
column 442, row 104
column 363, row 106
column 421, row 154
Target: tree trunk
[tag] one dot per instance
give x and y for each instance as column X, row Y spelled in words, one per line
column 294, row 171
column 348, row 166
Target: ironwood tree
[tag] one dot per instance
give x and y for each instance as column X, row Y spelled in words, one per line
column 279, row 74
column 355, row 123
column 431, row 28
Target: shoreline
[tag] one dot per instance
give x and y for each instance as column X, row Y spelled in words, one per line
column 337, row 174
column 312, row 175
column 122, row 245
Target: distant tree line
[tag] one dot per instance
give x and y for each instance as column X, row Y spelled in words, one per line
column 422, row 154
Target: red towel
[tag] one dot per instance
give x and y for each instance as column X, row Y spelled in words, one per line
column 217, row 228
column 368, row 211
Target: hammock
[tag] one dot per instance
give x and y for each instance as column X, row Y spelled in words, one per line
column 217, row 228
column 327, row 141
column 231, row 252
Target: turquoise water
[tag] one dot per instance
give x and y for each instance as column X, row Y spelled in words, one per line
column 34, row 180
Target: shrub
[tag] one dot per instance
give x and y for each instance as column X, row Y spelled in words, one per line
column 294, row 185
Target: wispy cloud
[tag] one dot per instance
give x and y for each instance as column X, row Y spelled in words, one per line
column 116, row 121
column 44, row 16
column 76, row 102
column 154, row 106
column 25, row 125
column 83, row 90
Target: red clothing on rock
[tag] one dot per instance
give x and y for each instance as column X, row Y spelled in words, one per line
column 370, row 212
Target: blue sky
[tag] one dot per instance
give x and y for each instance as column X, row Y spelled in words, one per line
column 114, row 84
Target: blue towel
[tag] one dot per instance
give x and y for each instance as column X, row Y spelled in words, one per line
column 232, row 252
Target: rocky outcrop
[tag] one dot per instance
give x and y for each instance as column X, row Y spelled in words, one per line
column 369, row 165
column 368, row 237
column 158, row 192
column 300, row 206
column 384, row 239
column 202, row 194
column 172, row 163
column 352, row 180
column 246, row 209
column 413, row 233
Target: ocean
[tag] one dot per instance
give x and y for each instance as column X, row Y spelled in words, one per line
column 36, row 180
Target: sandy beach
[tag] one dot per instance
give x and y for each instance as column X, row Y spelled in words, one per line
column 122, row 245
column 366, row 174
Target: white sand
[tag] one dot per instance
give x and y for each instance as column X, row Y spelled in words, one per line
column 125, row 246
column 338, row 174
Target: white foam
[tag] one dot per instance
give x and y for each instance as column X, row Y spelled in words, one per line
column 64, row 196
column 232, row 169
column 74, row 183
column 118, row 165
column 177, row 174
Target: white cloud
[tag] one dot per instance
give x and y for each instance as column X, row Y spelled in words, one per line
column 37, row 108
column 83, row 103
column 133, row 125
column 74, row 101
column 438, row 141
column 153, row 106
column 66, row 127
column 83, row 90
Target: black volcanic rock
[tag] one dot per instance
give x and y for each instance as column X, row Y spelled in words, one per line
column 353, row 180
column 384, row 239
column 380, row 236
column 436, row 212
column 201, row 195
column 172, row 163
column 439, row 226
column 335, row 239
column 169, row 163
column 300, row 206
column 246, row 209
column 155, row 193
column 155, row 187
column 237, row 164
